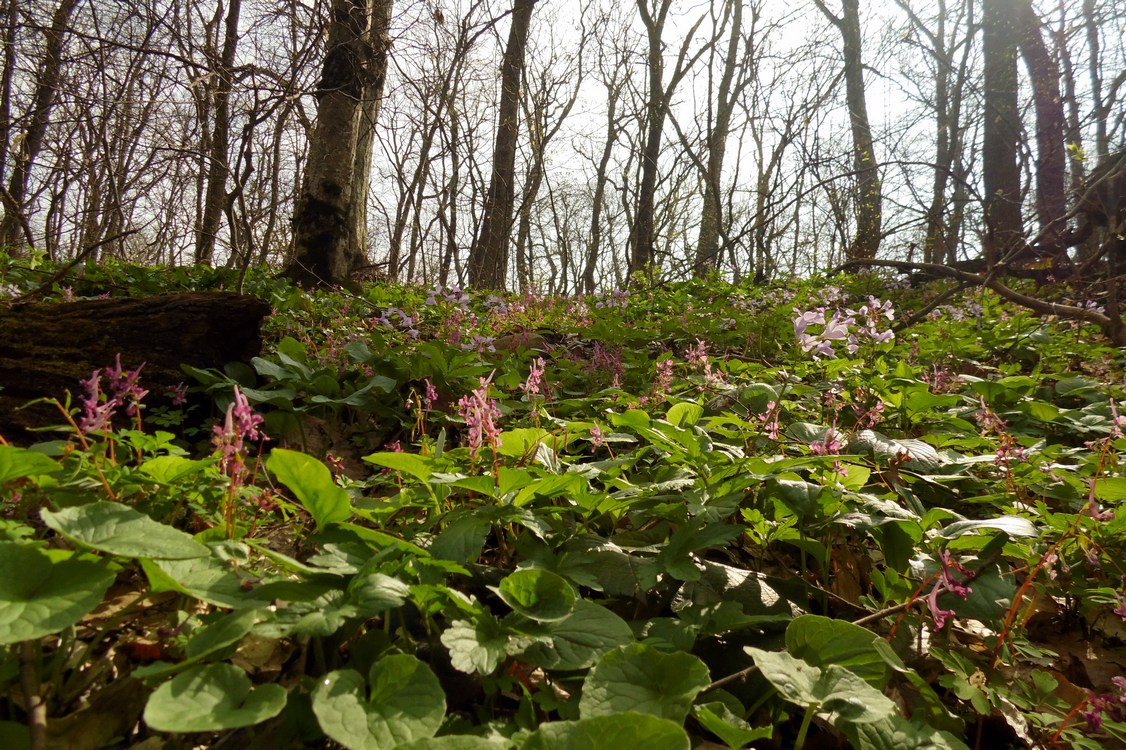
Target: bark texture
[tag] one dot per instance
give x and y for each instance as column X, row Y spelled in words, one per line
column 355, row 66
column 45, row 349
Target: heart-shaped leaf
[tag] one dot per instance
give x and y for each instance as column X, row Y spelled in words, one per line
column 40, row 595
column 823, row 640
column 832, row 691
column 475, row 646
column 312, row 484
column 209, row 698
column 580, row 639
column 640, row 678
column 403, row 703
column 537, row 594
column 620, row 730
column 119, row 530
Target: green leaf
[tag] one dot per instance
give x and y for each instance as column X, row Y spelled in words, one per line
column 419, row 467
column 371, row 594
column 475, row 646
column 17, row 463
column 823, row 640
column 718, row 719
column 580, row 639
column 620, row 730
column 832, row 691
column 403, row 703
column 211, row 698
column 171, row 469
column 641, row 678
column 462, row 540
column 40, row 595
column 14, row 736
column 311, row 482
column 521, row 442
column 119, row 530
column 205, row 578
column 1011, row 525
column 896, row 733
column 537, row 594
column 1110, row 488
column 684, row 414
column 453, row 742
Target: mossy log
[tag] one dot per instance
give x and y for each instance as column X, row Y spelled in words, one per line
column 46, row 349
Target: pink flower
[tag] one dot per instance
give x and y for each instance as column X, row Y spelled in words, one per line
column 533, row 386
column 948, row 583
column 480, row 414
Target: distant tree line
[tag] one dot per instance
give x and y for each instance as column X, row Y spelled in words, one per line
column 563, row 145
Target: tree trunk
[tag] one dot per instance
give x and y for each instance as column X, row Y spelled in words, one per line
column 218, row 166
column 324, row 220
column 711, row 215
column 868, row 211
column 488, row 260
column 1051, row 197
column 12, row 226
column 1001, row 134
column 46, row 349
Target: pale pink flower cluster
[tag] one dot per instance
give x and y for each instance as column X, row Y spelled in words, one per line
column 122, row 389
column 480, row 414
column 240, row 424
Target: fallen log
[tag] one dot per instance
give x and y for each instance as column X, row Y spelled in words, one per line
column 47, row 348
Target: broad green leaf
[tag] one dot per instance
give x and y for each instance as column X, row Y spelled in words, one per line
column 641, row 678
column 40, row 595
column 212, row 698
column 403, row 702
column 419, row 467
column 462, row 540
column 205, row 578
column 684, row 414
column 579, row 640
column 374, row 593
column 619, row 730
column 522, row 441
column 311, row 482
column 832, row 690
column 896, row 733
column 823, row 640
column 1011, row 525
column 537, row 594
column 119, row 530
column 475, row 646
column 170, row 469
column 1110, row 488
column 17, row 463
column 718, row 719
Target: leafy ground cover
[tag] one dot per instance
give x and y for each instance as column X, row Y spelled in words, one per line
column 692, row 516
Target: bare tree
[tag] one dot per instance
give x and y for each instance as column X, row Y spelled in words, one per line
column 355, row 66
column 488, row 261
column 868, row 208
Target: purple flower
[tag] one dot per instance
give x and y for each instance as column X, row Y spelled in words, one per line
column 122, row 389
column 240, row 424
column 597, row 436
column 948, row 583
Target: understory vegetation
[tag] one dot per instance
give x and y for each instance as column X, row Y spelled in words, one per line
column 694, row 515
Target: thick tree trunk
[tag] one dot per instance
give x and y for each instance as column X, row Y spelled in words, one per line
column 45, row 349
column 1000, row 171
column 1051, row 197
column 488, row 261
column 354, row 67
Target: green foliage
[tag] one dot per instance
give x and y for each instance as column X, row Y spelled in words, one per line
column 696, row 527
